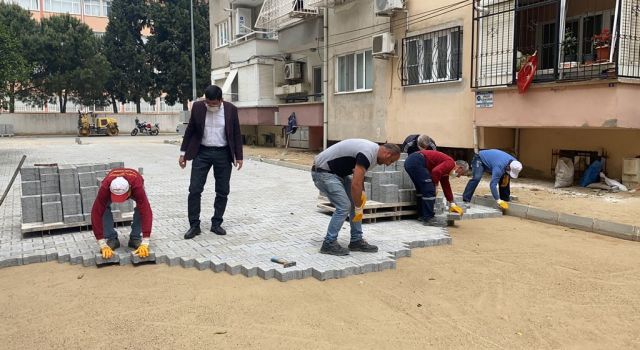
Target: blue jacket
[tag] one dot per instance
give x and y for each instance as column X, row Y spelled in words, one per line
column 495, row 161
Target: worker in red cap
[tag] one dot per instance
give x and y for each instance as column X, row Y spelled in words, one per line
column 118, row 186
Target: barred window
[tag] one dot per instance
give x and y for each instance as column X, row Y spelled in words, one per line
column 432, row 57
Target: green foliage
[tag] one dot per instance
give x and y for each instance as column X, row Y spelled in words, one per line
column 70, row 65
column 17, row 32
column 170, row 46
column 131, row 78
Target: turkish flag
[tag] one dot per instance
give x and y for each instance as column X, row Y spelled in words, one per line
column 527, row 72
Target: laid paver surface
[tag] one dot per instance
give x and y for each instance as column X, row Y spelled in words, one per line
column 271, row 212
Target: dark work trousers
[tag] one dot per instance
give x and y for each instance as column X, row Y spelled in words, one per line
column 218, row 158
column 415, row 166
column 504, row 187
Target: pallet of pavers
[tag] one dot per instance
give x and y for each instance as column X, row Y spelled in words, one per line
column 374, row 211
column 6, row 130
column 61, row 196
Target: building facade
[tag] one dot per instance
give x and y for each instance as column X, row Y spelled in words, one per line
column 446, row 68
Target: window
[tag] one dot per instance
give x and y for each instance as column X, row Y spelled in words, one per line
column 432, row 57
column 27, row 4
column 355, row 72
column 106, row 7
column 222, row 30
column 92, row 7
column 62, row 6
column 317, row 83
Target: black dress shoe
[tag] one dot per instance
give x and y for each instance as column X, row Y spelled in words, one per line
column 218, row 230
column 193, row 231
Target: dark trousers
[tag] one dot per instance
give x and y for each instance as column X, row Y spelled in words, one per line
column 219, row 159
column 111, row 233
column 478, row 168
column 415, row 166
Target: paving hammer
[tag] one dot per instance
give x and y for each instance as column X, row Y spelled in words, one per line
column 283, row 262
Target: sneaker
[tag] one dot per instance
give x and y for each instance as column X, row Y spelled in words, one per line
column 134, row 243
column 113, row 243
column 435, row 222
column 466, row 205
column 333, row 248
column 362, row 246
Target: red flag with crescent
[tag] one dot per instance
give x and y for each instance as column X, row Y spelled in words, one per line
column 527, row 72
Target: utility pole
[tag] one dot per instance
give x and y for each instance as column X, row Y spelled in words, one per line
column 193, row 57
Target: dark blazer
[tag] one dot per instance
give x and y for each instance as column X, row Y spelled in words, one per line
column 195, row 130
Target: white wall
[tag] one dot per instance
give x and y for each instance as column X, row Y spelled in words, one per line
column 67, row 123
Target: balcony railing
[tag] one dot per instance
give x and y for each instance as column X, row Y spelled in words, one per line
column 277, row 14
column 571, row 39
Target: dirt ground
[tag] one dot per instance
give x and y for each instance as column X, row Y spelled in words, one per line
column 504, row 284
column 618, row 207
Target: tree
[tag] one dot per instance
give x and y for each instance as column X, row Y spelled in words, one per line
column 170, row 45
column 70, row 62
column 17, row 50
column 132, row 75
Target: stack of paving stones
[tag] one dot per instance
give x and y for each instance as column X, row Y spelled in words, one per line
column 6, row 130
column 65, row 193
column 390, row 183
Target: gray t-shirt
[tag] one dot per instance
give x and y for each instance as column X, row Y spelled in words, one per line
column 342, row 157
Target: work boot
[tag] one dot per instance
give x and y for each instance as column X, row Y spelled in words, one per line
column 435, row 222
column 134, row 242
column 362, row 246
column 218, row 230
column 113, row 243
column 333, row 248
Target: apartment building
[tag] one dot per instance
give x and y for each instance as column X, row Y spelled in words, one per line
column 448, row 68
column 581, row 103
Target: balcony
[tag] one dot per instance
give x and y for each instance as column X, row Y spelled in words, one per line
column 573, row 40
column 278, row 14
column 327, row 3
column 252, row 45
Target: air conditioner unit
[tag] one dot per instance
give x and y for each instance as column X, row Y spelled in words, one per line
column 386, row 7
column 242, row 21
column 292, row 71
column 383, row 45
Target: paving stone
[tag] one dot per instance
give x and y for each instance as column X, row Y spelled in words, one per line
column 50, row 183
column 388, row 194
column 115, row 259
column 31, row 209
column 518, row 210
column 614, row 229
column 29, row 173
column 99, row 167
column 71, row 204
column 407, row 195
column 51, row 212
column 576, row 222
column 31, row 188
column 87, row 179
column 84, row 168
column 546, row 216
column 114, row 165
column 135, row 259
column 48, row 198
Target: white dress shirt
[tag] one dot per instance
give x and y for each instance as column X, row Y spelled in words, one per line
column 214, row 134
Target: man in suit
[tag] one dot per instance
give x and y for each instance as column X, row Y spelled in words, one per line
column 212, row 139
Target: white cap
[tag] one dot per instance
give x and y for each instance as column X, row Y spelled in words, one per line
column 119, row 190
column 514, row 169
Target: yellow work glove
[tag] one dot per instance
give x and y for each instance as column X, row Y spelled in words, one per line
column 502, row 204
column 360, row 210
column 105, row 250
column 143, row 249
column 454, row 208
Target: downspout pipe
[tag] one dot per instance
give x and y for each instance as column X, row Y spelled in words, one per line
column 325, row 80
column 481, row 11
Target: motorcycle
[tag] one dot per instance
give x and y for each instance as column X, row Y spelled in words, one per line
column 145, row 128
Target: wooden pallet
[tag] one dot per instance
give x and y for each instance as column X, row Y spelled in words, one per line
column 42, row 227
column 375, row 211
